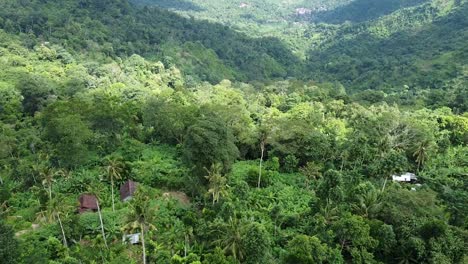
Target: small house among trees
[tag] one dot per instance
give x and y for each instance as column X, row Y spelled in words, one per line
column 406, row 177
column 303, row 11
column 127, row 190
column 132, row 238
column 88, row 203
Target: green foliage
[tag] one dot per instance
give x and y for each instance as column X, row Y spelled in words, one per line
column 308, row 250
column 257, row 244
column 34, row 248
column 197, row 47
column 210, row 141
column 401, row 204
column 217, row 182
column 170, row 118
column 159, row 167
column 377, row 55
column 353, row 236
column 68, row 132
column 9, row 246
column 374, row 37
column 10, row 102
column 36, row 92
column 85, row 105
column 217, row 257
column 331, row 186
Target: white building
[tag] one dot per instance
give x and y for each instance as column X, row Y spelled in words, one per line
column 303, row 11
column 406, row 177
column 132, row 238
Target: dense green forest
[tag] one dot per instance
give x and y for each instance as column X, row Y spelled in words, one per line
column 101, row 29
column 429, row 58
column 382, row 50
column 244, row 151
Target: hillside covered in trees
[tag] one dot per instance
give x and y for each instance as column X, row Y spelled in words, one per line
column 101, row 29
column 132, row 134
column 383, row 49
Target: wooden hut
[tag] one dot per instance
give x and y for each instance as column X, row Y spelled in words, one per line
column 88, row 203
column 127, row 190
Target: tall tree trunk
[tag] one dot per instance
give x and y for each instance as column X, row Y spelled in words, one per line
column 102, row 224
column 342, row 163
column 112, row 190
column 143, row 242
column 50, row 191
column 63, row 231
column 385, row 183
column 262, row 147
column 186, row 245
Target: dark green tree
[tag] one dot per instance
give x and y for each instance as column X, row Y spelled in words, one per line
column 68, row 132
column 352, row 234
column 209, row 141
column 36, row 92
column 170, row 117
column 9, row 247
column 331, row 186
column 309, row 250
column 257, row 244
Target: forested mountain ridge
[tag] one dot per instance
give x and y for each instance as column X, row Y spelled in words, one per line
column 355, row 54
column 364, row 10
column 205, row 51
column 235, row 13
column 392, row 46
column 273, row 171
column 288, row 17
column 424, row 50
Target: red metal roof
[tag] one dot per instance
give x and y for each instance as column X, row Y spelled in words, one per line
column 88, row 202
column 128, row 189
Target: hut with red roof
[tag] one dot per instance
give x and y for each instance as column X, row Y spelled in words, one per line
column 88, row 203
column 127, row 190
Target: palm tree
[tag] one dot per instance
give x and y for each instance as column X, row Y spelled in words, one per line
column 262, row 153
column 330, row 211
column 4, row 209
column 367, row 202
column 95, row 190
column 312, row 172
column 231, row 236
column 141, row 216
column 7, row 169
column 58, row 208
column 421, row 151
column 217, row 182
column 54, row 211
column 406, row 257
column 102, row 223
column 114, row 169
column 47, row 175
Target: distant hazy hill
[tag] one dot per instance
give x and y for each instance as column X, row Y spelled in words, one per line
column 241, row 12
column 363, row 10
